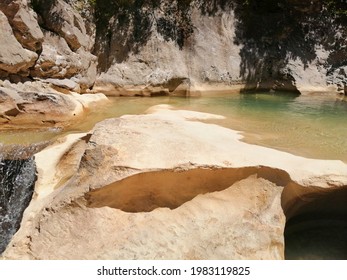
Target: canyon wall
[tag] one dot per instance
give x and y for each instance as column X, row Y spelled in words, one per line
column 263, row 45
column 145, row 47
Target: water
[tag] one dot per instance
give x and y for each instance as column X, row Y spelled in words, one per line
column 310, row 126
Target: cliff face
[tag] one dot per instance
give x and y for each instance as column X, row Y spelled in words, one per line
column 178, row 45
column 264, row 44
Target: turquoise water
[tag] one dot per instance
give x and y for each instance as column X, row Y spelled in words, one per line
column 310, row 126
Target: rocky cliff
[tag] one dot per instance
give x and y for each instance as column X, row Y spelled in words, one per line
column 283, row 45
column 175, row 47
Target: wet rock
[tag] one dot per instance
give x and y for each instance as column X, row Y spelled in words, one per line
column 17, row 179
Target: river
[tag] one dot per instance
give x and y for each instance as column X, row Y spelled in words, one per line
column 309, row 126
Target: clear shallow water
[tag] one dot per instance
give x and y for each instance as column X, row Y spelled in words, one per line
column 310, row 126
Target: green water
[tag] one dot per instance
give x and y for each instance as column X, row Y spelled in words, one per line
column 310, row 126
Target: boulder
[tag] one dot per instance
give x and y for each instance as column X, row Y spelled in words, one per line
column 64, row 83
column 59, row 62
column 13, row 57
column 62, row 19
column 25, row 108
column 24, row 23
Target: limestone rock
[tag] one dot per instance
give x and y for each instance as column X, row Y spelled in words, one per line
column 61, row 18
column 36, row 104
column 216, row 43
column 37, row 108
column 209, row 58
column 13, row 57
column 64, row 83
column 314, row 77
column 24, row 23
column 59, row 62
column 221, row 225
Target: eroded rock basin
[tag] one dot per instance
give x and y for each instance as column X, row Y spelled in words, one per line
column 316, row 224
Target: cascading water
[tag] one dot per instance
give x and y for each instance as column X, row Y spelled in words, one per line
column 17, row 180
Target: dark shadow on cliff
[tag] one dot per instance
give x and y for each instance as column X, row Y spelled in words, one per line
column 123, row 27
column 272, row 32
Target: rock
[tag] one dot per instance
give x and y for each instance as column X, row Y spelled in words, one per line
column 216, row 43
column 35, row 105
column 18, row 178
column 61, row 18
column 65, row 52
column 8, row 105
column 209, row 58
column 59, row 62
column 64, row 83
column 39, row 108
column 154, row 194
column 208, row 227
column 13, row 57
column 314, row 76
column 87, row 77
column 24, row 23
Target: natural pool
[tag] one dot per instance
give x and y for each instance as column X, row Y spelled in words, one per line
column 310, row 126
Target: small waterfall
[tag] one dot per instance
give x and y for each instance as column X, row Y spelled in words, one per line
column 17, row 180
